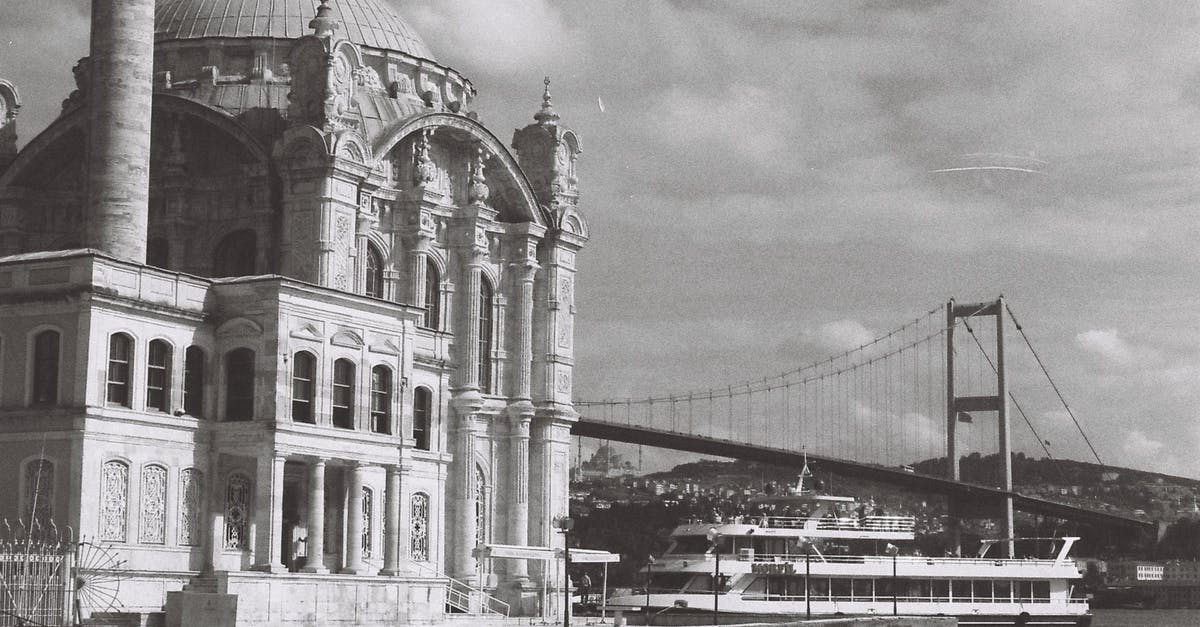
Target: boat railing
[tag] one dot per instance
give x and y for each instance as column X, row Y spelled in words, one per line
column 747, row 556
column 759, row 596
column 896, row 524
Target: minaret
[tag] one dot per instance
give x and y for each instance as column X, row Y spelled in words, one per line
column 119, row 109
column 10, row 105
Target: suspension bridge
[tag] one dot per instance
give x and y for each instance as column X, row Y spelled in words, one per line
column 934, row 388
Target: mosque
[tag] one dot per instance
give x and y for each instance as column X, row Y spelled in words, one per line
column 283, row 326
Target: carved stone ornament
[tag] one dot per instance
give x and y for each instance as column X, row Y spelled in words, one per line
column 368, row 78
column 479, row 191
column 424, row 169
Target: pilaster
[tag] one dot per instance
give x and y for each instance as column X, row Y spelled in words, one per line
column 268, row 499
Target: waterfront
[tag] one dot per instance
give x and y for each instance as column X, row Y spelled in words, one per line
column 1146, row 618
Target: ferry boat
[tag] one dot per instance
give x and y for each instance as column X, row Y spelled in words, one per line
column 829, row 558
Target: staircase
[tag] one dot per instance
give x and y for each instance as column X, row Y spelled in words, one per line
column 463, row 598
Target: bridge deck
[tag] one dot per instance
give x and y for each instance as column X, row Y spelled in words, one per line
column 959, row 490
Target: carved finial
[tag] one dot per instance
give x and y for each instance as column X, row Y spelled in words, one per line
column 479, row 191
column 324, row 24
column 547, row 115
column 426, row 171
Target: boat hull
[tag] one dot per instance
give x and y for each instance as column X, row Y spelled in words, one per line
column 686, row 617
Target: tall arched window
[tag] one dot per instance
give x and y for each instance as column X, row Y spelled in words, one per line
column 418, row 532
column 191, row 490
column 239, row 385
column 158, row 376
column 153, row 527
column 481, row 507
column 374, row 282
column 45, row 368
column 120, row 363
column 304, row 375
column 381, row 399
column 39, row 492
column 433, row 296
column 422, row 413
column 235, row 254
column 193, row 381
column 114, row 500
column 485, row 336
column 237, row 512
column 343, row 394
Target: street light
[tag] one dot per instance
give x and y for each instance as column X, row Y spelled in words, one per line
column 565, row 525
column 715, row 538
column 807, row 573
column 649, row 576
column 893, row 550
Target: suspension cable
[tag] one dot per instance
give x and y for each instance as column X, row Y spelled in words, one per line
column 1016, row 404
column 1017, row 324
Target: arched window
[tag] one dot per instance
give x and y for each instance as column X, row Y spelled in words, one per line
column 485, row 336
column 239, row 385
column 193, row 381
column 422, row 414
column 191, row 490
column 433, row 296
column 114, row 500
column 154, row 505
column 418, row 532
column 237, row 512
column 158, row 376
column 304, row 375
column 157, row 252
column 381, row 399
column 367, row 517
column 120, row 363
column 374, row 282
column 45, row 368
column 481, row 507
column 235, row 254
column 39, row 492
column 343, row 394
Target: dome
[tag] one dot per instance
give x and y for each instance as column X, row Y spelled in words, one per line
column 370, row 23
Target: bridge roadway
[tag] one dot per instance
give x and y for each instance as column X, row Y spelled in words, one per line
column 959, row 491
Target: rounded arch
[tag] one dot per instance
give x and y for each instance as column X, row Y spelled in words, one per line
column 533, row 211
column 44, row 352
column 235, row 254
column 374, row 266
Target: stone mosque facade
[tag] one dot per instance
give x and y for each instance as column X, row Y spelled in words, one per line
column 282, row 324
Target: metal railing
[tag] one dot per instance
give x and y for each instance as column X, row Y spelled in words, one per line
column 35, row 578
column 895, row 524
column 462, row 597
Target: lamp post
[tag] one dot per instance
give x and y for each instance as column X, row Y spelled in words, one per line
column 715, row 538
column 649, row 577
column 893, row 550
column 807, row 573
column 565, row 525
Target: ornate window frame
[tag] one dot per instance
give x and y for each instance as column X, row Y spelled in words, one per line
column 152, row 506
column 239, row 499
column 418, row 527
column 191, row 507
column 114, row 500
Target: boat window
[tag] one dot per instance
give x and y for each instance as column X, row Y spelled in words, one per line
column 941, row 589
column 819, row 588
column 1041, row 591
column 839, row 589
column 669, row 582
column 1002, row 591
column 982, row 589
column 690, row 544
column 960, row 589
column 1025, row 591
column 758, row 585
column 777, row 586
column 919, row 589
column 863, row 590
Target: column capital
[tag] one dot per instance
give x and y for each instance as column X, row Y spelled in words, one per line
column 525, row 270
column 521, row 412
column 468, row 401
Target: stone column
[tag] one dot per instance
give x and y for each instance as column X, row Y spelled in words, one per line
column 391, row 533
column 119, row 107
column 522, row 363
column 316, row 518
column 461, row 558
column 418, row 241
column 468, row 370
column 268, row 501
column 520, row 416
column 214, row 537
column 354, row 521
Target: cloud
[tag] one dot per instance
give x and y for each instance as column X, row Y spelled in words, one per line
column 1107, row 344
column 842, row 335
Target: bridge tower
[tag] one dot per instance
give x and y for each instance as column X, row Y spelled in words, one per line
column 958, row 406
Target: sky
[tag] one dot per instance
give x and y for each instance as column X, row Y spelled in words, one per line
column 768, row 183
